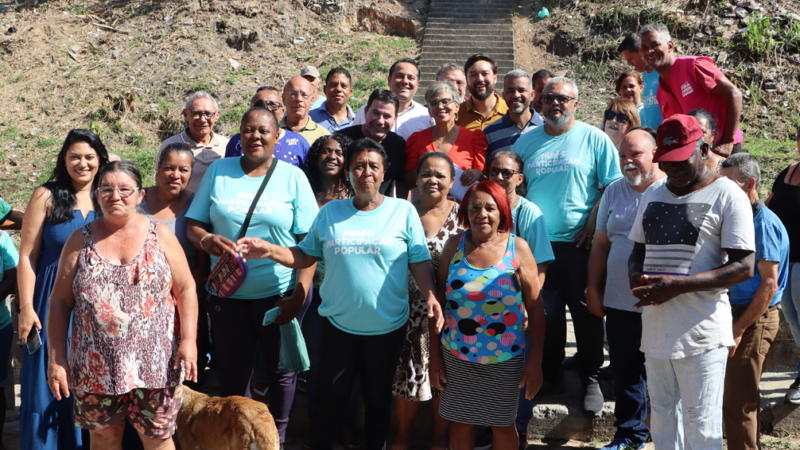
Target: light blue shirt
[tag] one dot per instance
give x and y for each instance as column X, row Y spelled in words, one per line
column 10, row 259
column 322, row 117
column 366, row 254
column 286, row 208
column 318, row 102
column 529, row 224
column 564, row 174
column 650, row 113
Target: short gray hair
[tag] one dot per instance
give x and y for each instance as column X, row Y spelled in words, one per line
column 201, row 94
column 438, row 87
column 447, row 68
column 563, row 80
column 747, row 164
column 519, row 73
column 659, row 28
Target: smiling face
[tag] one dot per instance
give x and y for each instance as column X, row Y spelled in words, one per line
column 458, row 78
column 685, row 173
column 259, row 135
column 366, row 173
column 630, row 88
column 502, row 166
column 481, row 80
column 82, row 162
column 635, row 60
column 656, row 50
column 442, row 113
column 337, row 90
column 174, row 173
column 434, row 179
column 331, row 159
column 380, row 120
column 517, row 94
column 404, row 82
column 200, row 125
column 614, row 129
column 110, row 195
column 484, row 215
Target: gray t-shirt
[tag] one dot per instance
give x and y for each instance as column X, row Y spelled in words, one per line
column 178, row 226
column 618, row 209
column 684, row 236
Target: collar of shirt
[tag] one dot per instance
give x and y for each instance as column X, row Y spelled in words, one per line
column 494, row 111
column 536, row 119
column 310, row 125
column 415, row 108
column 350, row 114
column 187, row 139
column 507, row 122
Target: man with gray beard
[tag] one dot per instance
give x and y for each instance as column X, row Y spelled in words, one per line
column 608, row 293
column 567, row 163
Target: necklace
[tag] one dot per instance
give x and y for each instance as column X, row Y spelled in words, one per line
column 445, row 139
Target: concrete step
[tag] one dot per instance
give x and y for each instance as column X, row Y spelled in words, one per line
column 499, row 6
column 434, row 64
column 449, row 52
column 472, row 21
column 469, row 14
column 467, row 30
column 502, row 43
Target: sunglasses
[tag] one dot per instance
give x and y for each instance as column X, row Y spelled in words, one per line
column 619, row 117
column 507, row 173
column 561, row 99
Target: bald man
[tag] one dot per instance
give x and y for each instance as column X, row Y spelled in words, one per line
column 297, row 99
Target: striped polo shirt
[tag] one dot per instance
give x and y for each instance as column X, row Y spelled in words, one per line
column 503, row 133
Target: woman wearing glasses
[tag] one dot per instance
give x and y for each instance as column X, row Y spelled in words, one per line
column 293, row 148
column 467, row 149
column 120, row 279
column 201, row 113
column 57, row 208
column 620, row 116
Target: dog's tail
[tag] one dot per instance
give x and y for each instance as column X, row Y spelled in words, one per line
column 265, row 434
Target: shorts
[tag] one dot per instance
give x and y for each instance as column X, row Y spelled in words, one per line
column 151, row 411
column 6, row 336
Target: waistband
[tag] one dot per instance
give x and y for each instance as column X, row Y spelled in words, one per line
column 739, row 310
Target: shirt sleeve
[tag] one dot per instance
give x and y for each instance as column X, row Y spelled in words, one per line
column 201, row 205
column 737, row 231
column 412, row 153
column 5, row 210
column 607, row 161
column 706, row 74
column 305, row 208
column 479, row 146
column 361, row 117
column 602, row 212
column 8, row 252
column 768, row 242
column 230, row 149
column 637, row 231
column 417, row 246
column 311, row 245
column 533, row 228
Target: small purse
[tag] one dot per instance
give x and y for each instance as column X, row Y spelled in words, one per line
column 230, row 271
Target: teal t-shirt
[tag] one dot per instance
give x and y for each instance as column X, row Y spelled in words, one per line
column 651, row 112
column 10, row 258
column 529, row 224
column 366, row 254
column 564, row 174
column 286, row 208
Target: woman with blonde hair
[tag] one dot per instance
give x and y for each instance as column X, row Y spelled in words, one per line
column 620, row 117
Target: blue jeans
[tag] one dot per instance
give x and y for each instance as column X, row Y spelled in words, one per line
column 686, row 400
column 624, row 331
column 790, row 303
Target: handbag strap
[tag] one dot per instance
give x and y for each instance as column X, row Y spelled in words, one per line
column 258, row 195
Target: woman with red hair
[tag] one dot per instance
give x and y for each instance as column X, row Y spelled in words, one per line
column 490, row 283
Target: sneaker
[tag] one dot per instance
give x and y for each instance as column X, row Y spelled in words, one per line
column 523, row 441
column 484, row 442
column 793, row 394
column 623, row 444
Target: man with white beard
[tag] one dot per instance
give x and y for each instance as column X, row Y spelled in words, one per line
column 608, row 267
column 567, row 163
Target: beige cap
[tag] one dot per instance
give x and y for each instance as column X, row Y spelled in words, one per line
column 309, row 70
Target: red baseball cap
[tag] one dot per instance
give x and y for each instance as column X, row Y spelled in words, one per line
column 676, row 138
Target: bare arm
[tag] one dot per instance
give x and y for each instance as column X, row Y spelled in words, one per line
column 587, row 233
column 598, row 261
column 30, row 248
column 257, row 248
column 291, row 306
column 423, row 275
column 9, row 283
column 62, row 302
column 184, row 290
column 436, row 370
column 542, row 269
column 205, row 240
column 761, row 300
column 13, row 220
column 531, row 294
column 733, row 110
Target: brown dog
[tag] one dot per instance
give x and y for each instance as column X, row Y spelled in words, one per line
column 224, row 423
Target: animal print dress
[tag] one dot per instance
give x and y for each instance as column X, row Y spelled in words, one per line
column 412, row 381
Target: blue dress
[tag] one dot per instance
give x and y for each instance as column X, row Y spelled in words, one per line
column 46, row 423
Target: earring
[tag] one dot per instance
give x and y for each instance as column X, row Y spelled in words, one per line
column 280, row 147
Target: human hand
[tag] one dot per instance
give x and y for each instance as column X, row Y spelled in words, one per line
column 594, row 301
column 656, row 289
column 587, row 233
column 724, row 150
column 187, row 354
column 218, row 245
column 435, row 314
column 470, row 176
column 253, row 248
column 737, row 337
column 27, row 320
column 290, row 307
column 58, row 377
column 532, row 379
column 436, row 370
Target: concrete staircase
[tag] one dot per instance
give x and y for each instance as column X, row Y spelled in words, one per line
column 457, row 29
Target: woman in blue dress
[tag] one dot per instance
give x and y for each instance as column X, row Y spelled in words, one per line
column 56, row 209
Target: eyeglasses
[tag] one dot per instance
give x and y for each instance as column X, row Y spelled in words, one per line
column 207, row 114
column 621, row 118
column 561, row 99
column 443, row 102
column 124, row 192
column 272, row 106
column 295, row 94
column 507, row 173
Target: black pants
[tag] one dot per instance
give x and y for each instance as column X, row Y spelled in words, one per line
column 342, row 357
column 565, row 285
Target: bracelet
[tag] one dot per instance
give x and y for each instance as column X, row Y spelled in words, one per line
column 203, row 239
column 26, row 304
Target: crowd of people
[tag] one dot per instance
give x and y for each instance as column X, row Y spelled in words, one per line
column 429, row 252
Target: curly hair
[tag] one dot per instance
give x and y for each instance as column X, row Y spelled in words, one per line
column 311, row 167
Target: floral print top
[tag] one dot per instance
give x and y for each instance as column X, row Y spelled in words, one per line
column 124, row 322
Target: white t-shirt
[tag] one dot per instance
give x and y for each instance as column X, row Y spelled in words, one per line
column 414, row 118
column 684, row 236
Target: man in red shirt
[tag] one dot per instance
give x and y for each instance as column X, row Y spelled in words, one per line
column 691, row 82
